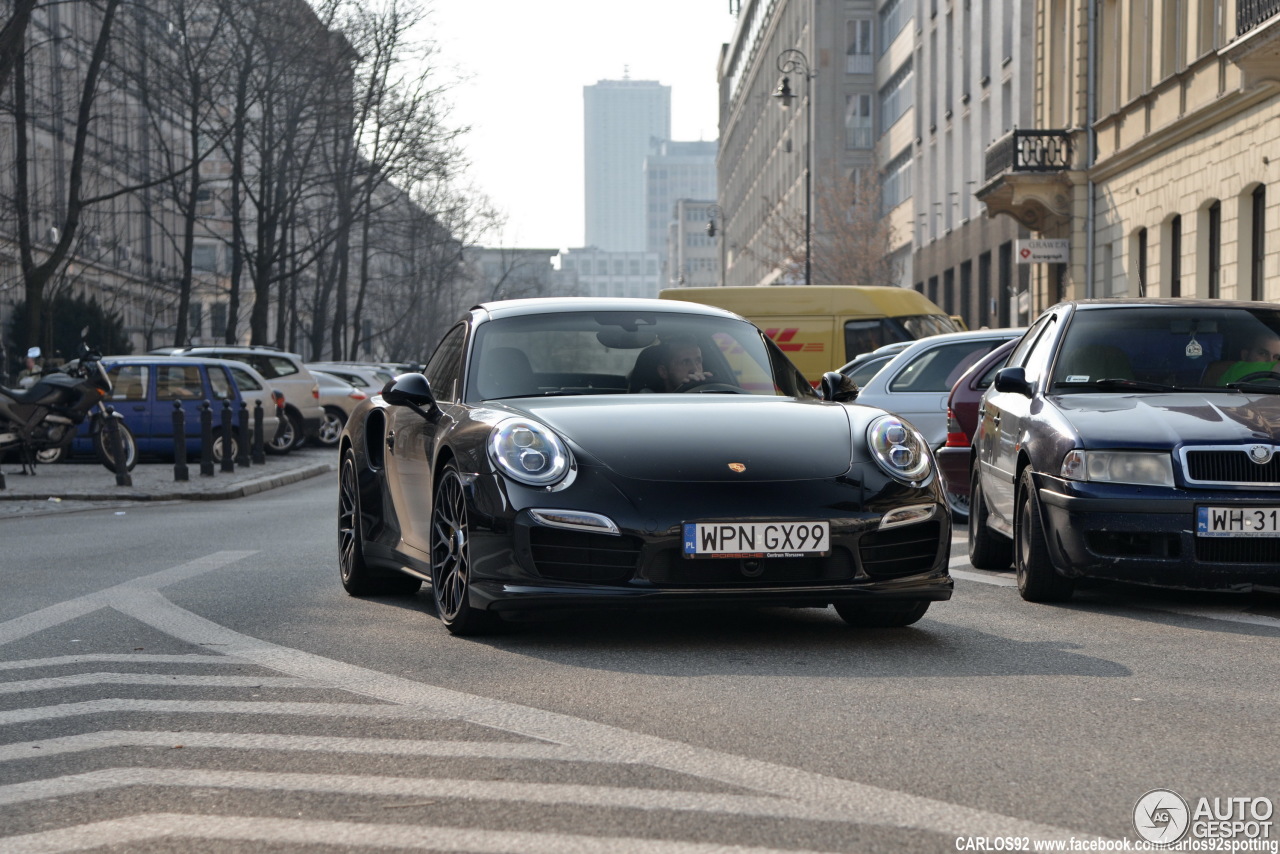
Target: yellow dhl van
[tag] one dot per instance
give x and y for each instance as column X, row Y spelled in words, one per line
column 820, row 327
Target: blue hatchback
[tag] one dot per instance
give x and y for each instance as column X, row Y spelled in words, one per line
column 145, row 389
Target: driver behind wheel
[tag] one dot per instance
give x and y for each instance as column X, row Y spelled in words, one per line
column 676, row 364
column 1260, row 354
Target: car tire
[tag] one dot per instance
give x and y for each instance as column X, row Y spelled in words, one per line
column 331, row 427
column 1038, row 581
column 217, row 446
column 883, row 614
column 987, row 549
column 282, row 441
column 451, row 559
column 102, row 446
column 358, row 578
column 299, row 429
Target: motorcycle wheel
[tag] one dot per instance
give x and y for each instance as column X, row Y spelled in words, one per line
column 106, row 455
column 48, row 456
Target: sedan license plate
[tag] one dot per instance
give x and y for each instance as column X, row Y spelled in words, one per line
column 1238, row 521
column 756, row 539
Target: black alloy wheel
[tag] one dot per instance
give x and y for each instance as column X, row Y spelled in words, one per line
column 987, row 549
column 358, row 579
column 451, row 559
column 1038, row 581
column 882, row 615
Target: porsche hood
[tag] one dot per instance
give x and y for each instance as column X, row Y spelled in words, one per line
column 700, row 437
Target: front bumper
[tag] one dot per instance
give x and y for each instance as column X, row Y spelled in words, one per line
column 1148, row 536
column 520, row 564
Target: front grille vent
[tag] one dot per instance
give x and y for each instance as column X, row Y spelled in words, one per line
column 583, row 556
column 1238, row 549
column 906, row 550
column 1229, row 466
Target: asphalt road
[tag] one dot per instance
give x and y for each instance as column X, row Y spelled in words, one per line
column 192, row 677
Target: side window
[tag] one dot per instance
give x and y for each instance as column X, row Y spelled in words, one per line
column 178, row 382
column 445, row 366
column 219, row 383
column 282, row 367
column 245, row 380
column 1018, row 357
column 129, row 382
column 1037, row 361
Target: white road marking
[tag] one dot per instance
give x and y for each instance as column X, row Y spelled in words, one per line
column 290, row 743
column 136, row 830
column 81, row 680
column 418, row 787
column 55, row 615
column 116, row 658
column 214, row 707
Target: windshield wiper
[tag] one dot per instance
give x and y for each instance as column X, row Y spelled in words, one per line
column 1243, row 386
column 1117, row 383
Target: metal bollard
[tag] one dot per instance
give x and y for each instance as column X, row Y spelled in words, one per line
column 259, row 456
column 180, row 471
column 206, row 439
column 123, row 478
column 228, row 458
column 242, row 455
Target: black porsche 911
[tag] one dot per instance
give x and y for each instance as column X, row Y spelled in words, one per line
column 578, row 453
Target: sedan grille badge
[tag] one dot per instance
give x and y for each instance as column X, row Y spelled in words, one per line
column 1260, row 454
column 738, row 467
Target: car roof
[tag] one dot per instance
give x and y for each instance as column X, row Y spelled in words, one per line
column 1165, row 302
column 549, row 305
column 181, row 360
column 237, row 348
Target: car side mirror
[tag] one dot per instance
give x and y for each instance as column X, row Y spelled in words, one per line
column 1013, row 381
column 838, row 388
column 413, row 391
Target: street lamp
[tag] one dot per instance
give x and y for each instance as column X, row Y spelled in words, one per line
column 793, row 61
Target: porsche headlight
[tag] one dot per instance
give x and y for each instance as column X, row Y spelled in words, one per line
column 1137, row 467
column 899, row 450
column 528, row 452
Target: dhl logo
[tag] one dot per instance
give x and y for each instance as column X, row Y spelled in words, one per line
column 782, row 337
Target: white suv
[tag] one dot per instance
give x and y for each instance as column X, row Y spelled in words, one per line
column 286, row 373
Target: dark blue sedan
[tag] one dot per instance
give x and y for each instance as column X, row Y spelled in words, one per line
column 1133, row 440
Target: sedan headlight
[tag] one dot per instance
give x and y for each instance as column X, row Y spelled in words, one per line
column 899, row 450
column 1137, row 467
column 528, row 452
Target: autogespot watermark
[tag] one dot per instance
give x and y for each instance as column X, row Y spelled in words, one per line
column 1166, row 820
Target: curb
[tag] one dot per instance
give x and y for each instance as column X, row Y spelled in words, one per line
column 239, row 490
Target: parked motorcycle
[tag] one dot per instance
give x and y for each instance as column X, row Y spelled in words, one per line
column 40, row 421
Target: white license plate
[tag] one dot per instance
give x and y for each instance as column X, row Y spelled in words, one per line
column 756, row 539
column 1238, row 521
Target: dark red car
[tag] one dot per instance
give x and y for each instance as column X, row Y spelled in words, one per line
column 962, row 420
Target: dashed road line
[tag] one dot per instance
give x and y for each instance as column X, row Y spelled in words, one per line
column 83, row 680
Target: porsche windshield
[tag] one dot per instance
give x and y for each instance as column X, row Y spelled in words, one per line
column 625, row 353
column 1158, row 348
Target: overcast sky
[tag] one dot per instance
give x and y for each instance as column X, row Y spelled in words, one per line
column 524, row 66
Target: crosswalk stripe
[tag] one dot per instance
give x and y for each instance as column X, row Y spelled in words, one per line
column 136, row 830
column 81, row 680
column 291, row 743
column 117, row 658
column 216, row 707
column 681, row 800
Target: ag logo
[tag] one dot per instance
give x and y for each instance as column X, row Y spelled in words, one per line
column 1161, row 816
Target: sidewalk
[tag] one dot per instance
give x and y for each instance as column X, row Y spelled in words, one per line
column 86, row 485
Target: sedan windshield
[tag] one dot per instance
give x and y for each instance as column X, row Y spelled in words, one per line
column 577, row 353
column 1169, row 348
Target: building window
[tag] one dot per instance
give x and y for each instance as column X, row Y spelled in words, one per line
column 896, row 96
column 893, row 17
column 204, row 256
column 195, row 319
column 1141, row 254
column 857, row 122
column 1257, row 253
column 895, row 184
column 1214, row 232
column 858, row 55
column 218, row 320
column 1175, row 256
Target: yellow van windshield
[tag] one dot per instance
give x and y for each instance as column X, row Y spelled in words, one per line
column 863, row 336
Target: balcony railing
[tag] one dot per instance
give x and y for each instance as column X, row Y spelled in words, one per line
column 1030, row 151
column 1252, row 13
